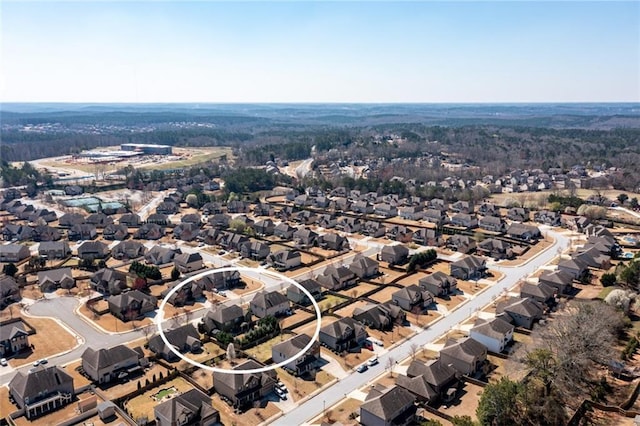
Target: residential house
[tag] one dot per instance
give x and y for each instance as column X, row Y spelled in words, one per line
column 291, row 348
column 593, row 258
column 13, row 232
column 411, row 212
column 489, row 209
column 194, row 218
column 439, row 284
column 332, row 241
column 192, row 407
column 498, row 249
column 73, row 190
column 464, row 220
column 130, row 220
column 492, row 224
column 42, row 390
column 428, row 237
column 128, row 250
column 184, row 339
column 212, row 208
column 284, row 230
column 149, row 231
column 524, row 232
column 82, row 232
column 340, row 204
column 305, row 237
column 220, row 221
column 394, row 406
column 69, row 219
column 336, row 278
column 131, row 305
column 158, row 219
column 13, row 252
column 437, row 381
column 99, row 220
column 521, row 312
column 467, row 356
column 541, row 292
column 436, row 216
column 53, row 279
column 188, row 262
column 364, row 267
column 412, row 298
column 374, row 229
column 220, row 280
column 305, row 217
column 264, row 227
column 109, row 281
column 495, row 334
column 167, row 208
column 468, row 268
column 243, row 389
column 93, row 250
column 343, row 335
column 348, row 224
column 185, row 295
column 115, row 232
column 186, row 231
column 54, row 249
column 385, row 210
column 46, row 233
column 518, row 214
column 394, row 255
column 237, row 206
column 297, row 296
column 284, row 260
column 105, row 365
column 560, row 280
column 229, row 319
column 9, row 291
column 437, row 203
column 327, row 221
column 161, row 255
column 232, row 241
column 14, row 337
column 43, row 214
column 461, row 243
column 362, row 207
column 399, row 233
column 263, row 209
column 465, row 207
column 577, row 268
column 269, row 303
column 548, row 217
column 256, row 250
column 379, row 316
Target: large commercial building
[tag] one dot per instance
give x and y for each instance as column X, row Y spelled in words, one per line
column 147, row 148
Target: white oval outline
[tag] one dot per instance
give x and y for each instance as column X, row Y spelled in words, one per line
column 160, row 318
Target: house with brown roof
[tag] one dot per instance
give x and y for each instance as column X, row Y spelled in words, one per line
column 388, row 407
column 495, row 334
column 46, row 233
column 131, row 305
column 286, row 350
column 83, row 231
column 186, row 231
column 128, row 250
column 115, row 232
column 105, row 365
column 493, row 224
column 99, row 220
column 149, row 231
column 130, row 219
column 93, row 250
column 466, row 356
column 461, row 243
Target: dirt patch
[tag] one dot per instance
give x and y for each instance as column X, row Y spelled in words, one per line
column 78, row 379
column 412, row 279
column 251, row 285
column 251, row 417
column 6, row 407
column 111, row 323
column 392, row 336
column 299, row 315
column 383, row 295
column 347, row 311
column 451, row 302
column 341, row 413
column 50, row 339
column 300, row 388
column 469, row 287
column 262, row 352
column 358, row 290
column 348, row 360
column 119, row 389
column 142, row 405
column 467, row 402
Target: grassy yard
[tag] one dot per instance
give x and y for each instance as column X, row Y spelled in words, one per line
column 142, row 405
column 262, row 352
column 330, row 301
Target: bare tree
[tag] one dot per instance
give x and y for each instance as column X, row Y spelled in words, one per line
column 413, row 350
column 148, row 331
column 390, row 364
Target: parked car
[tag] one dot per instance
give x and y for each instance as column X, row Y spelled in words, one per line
column 362, row 368
column 3, row 362
column 36, row 363
column 281, row 394
column 43, row 361
column 282, row 387
column 372, row 361
column 368, row 345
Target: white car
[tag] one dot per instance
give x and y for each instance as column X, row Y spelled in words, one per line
column 372, row 361
column 3, row 362
column 281, row 394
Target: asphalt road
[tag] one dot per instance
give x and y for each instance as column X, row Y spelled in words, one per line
column 334, row 394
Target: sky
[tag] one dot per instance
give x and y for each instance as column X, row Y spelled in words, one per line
column 320, row 51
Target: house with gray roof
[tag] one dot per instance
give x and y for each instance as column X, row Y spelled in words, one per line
column 229, row 319
column 520, row 312
column 336, row 278
column 53, row 279
column 46, row 233
column 131, row 305
column 13, row 252
column 464, row 220
column 264, row 227
column 115, row 232
column 43, row 214
column 364, row 267
column 83, row 231
column 394, row 255
column 93, row 250
column 305, row 238
column 256, row 250
column 99, row 220
column 149, row 231
column 9, row 291
column 524, row 232
column 158, row 219
column 388, row 407
column 188, row 262
column 243, row 389
column 412, row 298
column 428, row 237
column 495, row 334
column 270, row 303
column 468, row 268
column 130, row 219
column 438, row 284
column 379, row 316
column 343, row 335
column 284, row 230
column 560, row 280
column 192, row 407
column 159, row 255
column 109, row 281
column 54, row 249
column 466, row 356
column 69, row 219
column 540, row 292
column 184, row 338
column 493, row 224
column 16, row 232
column 129, row 249
column 297, row 296
column 105, row 365
column 220, row 280
column 431, row 382
column 461, row 243
column 14, row 337
column 186, row 231
column 574, row 267
column 291, row 347
column 42, row 390
column 285, row 259
column 333, row 241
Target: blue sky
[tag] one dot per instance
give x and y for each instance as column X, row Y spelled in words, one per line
column 507, row 51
